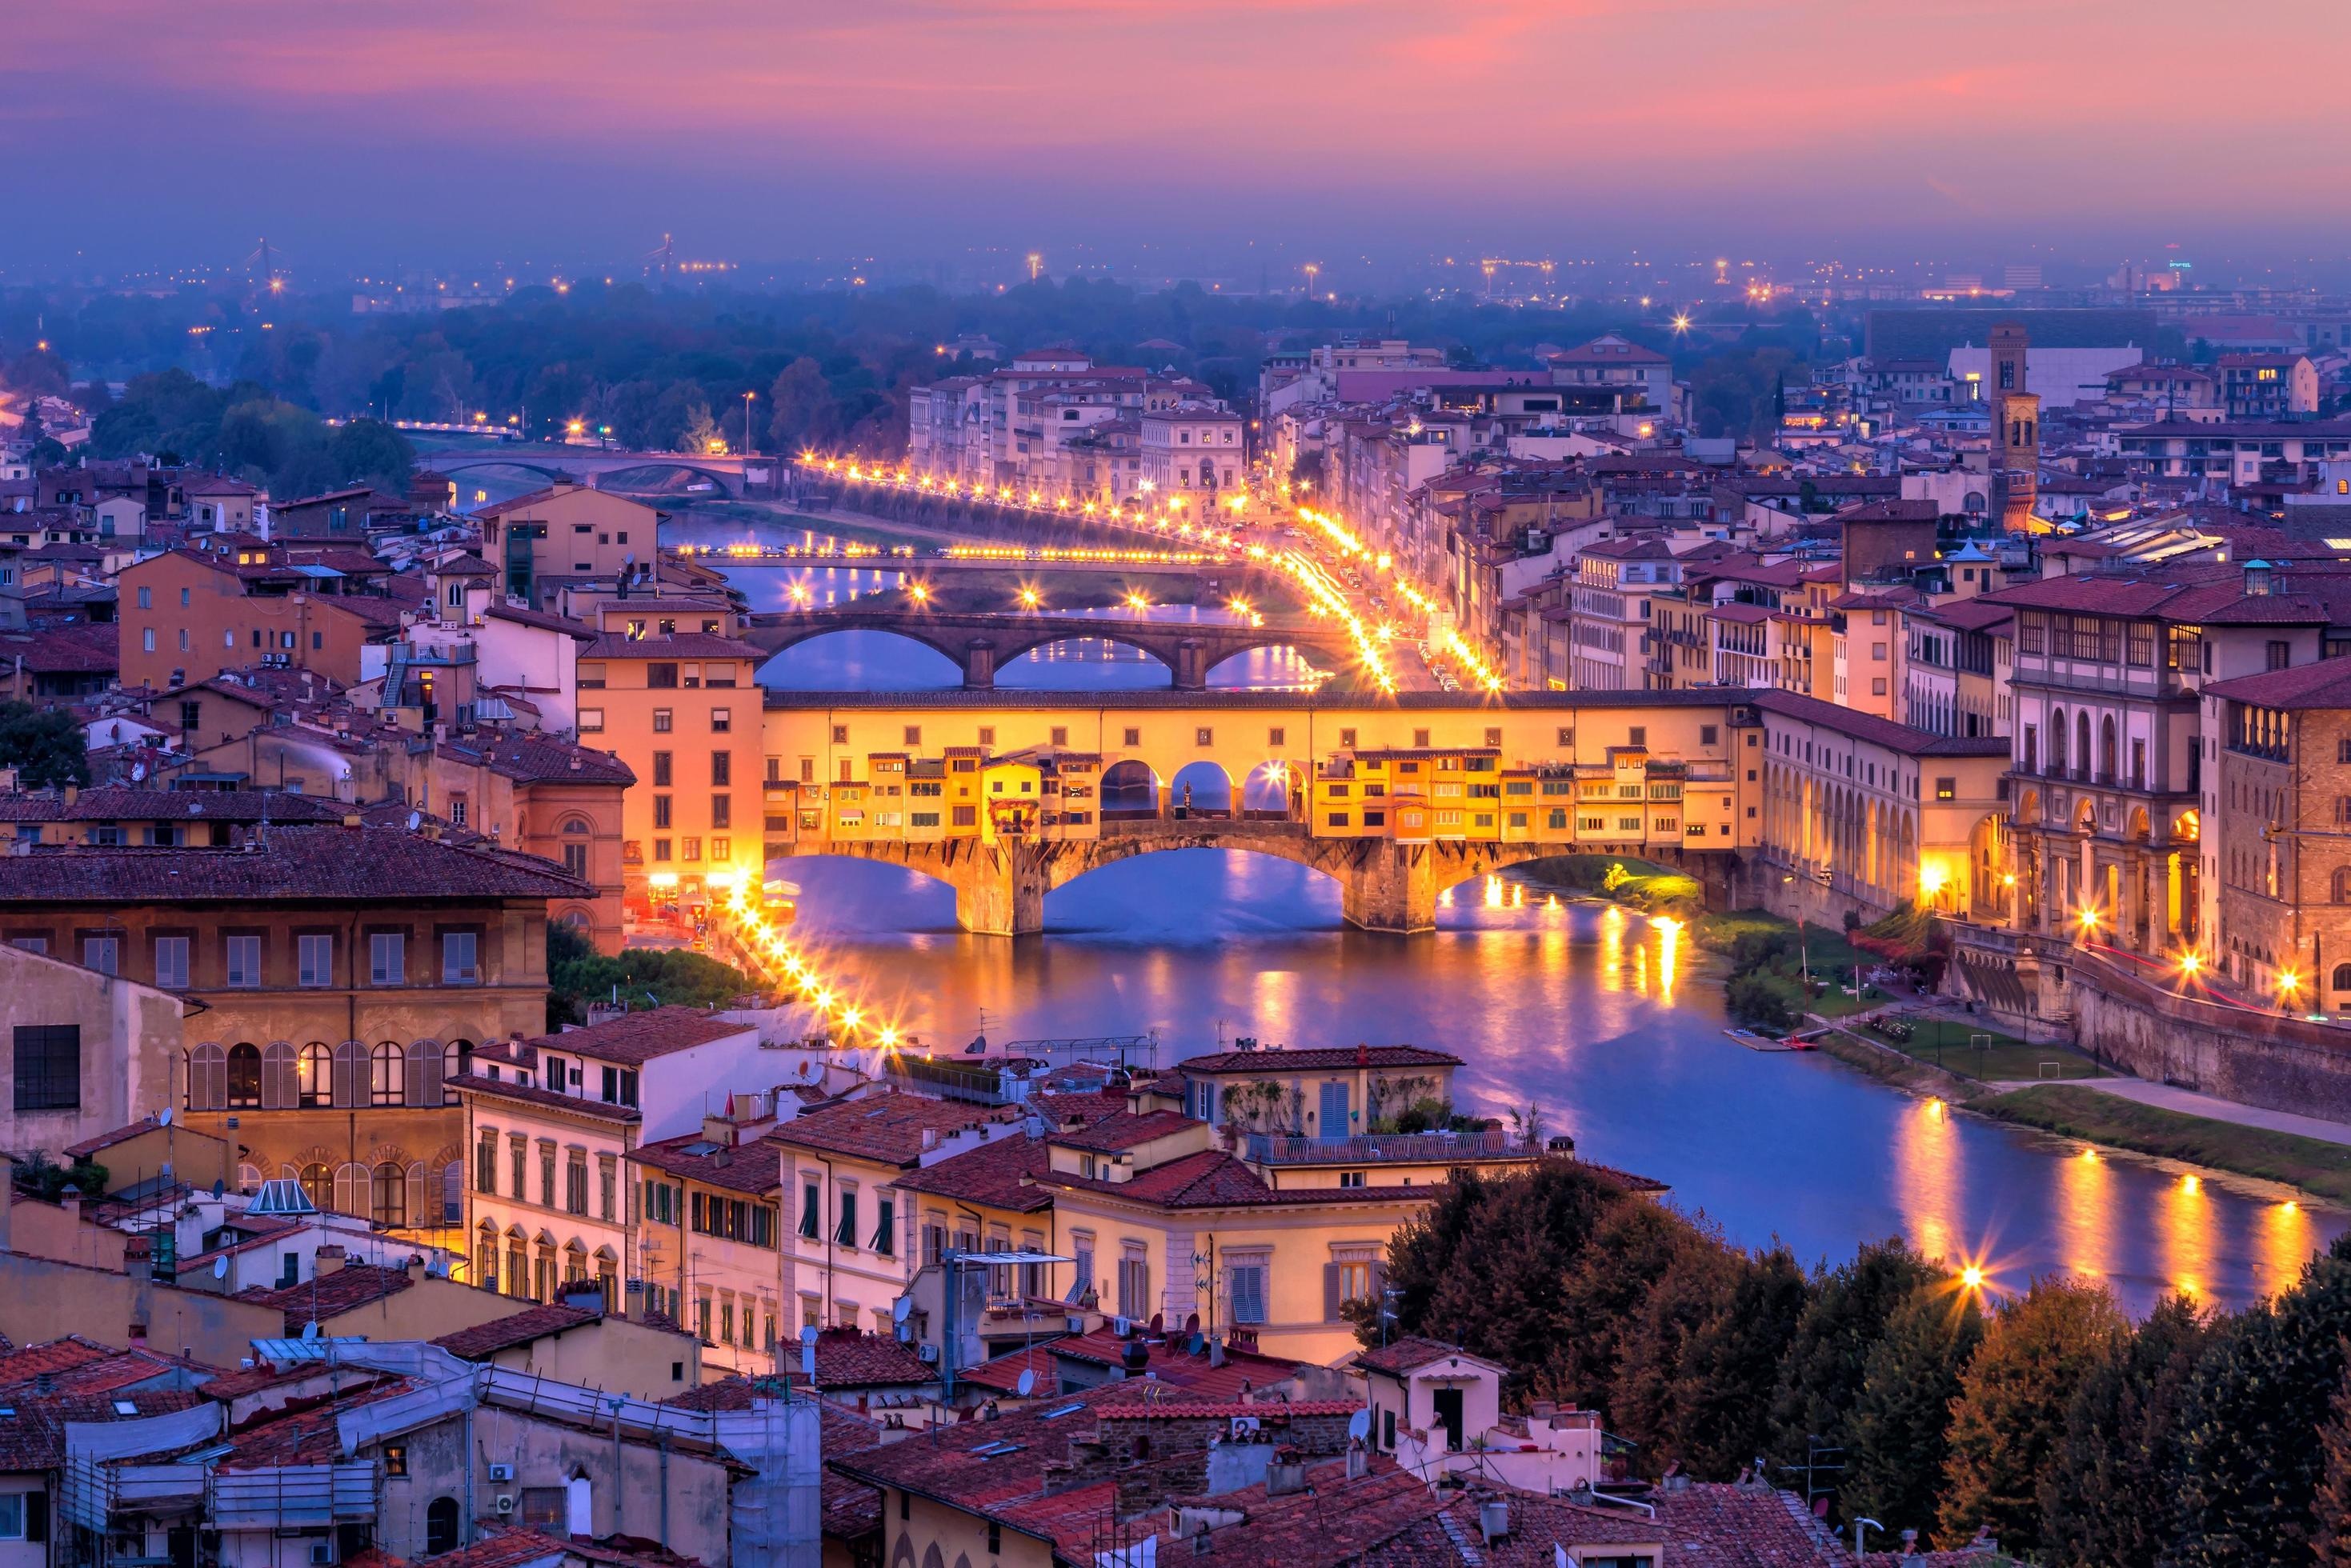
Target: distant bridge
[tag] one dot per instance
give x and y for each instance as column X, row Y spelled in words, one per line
column 983, row 642
column 592, row 465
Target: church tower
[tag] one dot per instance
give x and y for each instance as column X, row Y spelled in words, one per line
column 2015, row 429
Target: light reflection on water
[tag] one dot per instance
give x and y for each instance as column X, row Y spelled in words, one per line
column 1559, row 1005
column 1610, row 1022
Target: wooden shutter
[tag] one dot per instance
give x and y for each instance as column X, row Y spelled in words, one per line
column 1331, row 1296
column 425, row 1063
column 277, row 1087
column 351, row 1077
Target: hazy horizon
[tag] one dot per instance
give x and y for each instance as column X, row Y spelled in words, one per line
column 1221, row 138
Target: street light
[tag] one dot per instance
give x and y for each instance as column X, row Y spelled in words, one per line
column 749, row 445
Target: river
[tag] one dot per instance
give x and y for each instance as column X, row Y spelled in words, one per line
column 1569, row 1005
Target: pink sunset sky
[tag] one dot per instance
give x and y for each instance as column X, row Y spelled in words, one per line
column 782, row 127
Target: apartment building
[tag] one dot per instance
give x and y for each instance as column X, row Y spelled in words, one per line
column 1611, row 600
column 565, row 530
column 337, row 978
column 680, row 710
column 1194, row 454
column 231, row 599
column 550, row 1126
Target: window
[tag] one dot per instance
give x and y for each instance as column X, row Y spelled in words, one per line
column 810, row 1209
column 1248, row 1292
column 1203, row 736
column 1946, row 789
column 575, row 1182
column 390, row 1191
column 457, row 956
column 661, row 677
column 661, row 811
column 885, row 1226
column 243, row 1077
column 486, row 1162
column 721, row 768
column 315, row 959
column 689, row 849
column 1636, row 736
column 591, row 721
column 440, row 1526
column 845, row 1233
column 387, row 958
column 722, row 721
column 172, row 963
column 244, row 963
column 2281, row 654
column 388, row 1074
column 49, row 1066
column 662, row 769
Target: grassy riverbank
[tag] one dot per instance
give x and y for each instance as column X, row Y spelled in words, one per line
column 2321, row 1170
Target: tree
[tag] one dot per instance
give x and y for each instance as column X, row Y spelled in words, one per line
column 1820, row 1377
column 577, row 975
column 1525, row 1231
column 802, row 411
column 2009, row 1421
column 44, row 745
column 369, row 451
column 2331, row 1509
column 1720, row 1393
column 1894, row 1449
column 2111, row 1497
column 2250, row 1460
column 1629, row 1250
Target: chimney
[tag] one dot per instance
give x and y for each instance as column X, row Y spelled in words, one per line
column 139, row 1258
column 71, row 1201
column 632, row 1299
column 1494, row 1520
column 1286, row 1476
column 330, row 1259
column 416, row 1269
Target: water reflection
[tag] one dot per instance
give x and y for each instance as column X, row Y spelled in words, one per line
column 1539, row 999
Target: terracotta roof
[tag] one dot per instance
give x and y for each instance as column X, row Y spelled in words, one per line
column 1124, row 1130
column 1878, row 732
column 851, row 1358
column 754, row 1168
column 328, row 1295
column 479, row 1082
column 105, row 1140
column 994, row 1174
column 1715, row 1525
column 486, row 1339
column 522, row 615
column 79, row 649
column 1409, row 1354
column 50, row 1358
column 32, row 1437
column 887, row 1129
column 1318, row 1059
column 851, row 1507
column 2323, row 684
column 635, row 1038
column 297, row 864
column 1215, row 1179
column 530, row 758
column 304, row 1433
column 119, row 802
column 1003, row 1373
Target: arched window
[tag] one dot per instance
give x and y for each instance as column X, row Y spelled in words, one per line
column 2339, row 886
column 452, row 1193
column 2343, row 977
column 2106, row 747
column 575, row 1264
column 391, row 1196
column 462, row 1051
column 314, row 1077
column 2057, row 738
column 319, row 1185
column 352, row 1188
column 389, row 1076
column 278, row 1089
column 248, row 1178
column 2082, row 745
column 207, row 1077
column 244, row 1076
column 351, row 1075
column 424, row 1062
column 440, row 1526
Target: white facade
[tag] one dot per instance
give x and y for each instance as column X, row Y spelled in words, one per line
column 1194, row 452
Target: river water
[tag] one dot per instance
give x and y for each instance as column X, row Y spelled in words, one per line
column 1574, row 1006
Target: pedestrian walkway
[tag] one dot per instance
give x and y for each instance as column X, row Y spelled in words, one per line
column 2188, row 1102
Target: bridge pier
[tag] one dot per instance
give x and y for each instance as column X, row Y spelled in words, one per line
column 979, row 663
column 1000, row 892
column 1191, row 665
column 1393, row 890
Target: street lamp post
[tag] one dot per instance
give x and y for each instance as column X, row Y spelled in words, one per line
column 747, row 443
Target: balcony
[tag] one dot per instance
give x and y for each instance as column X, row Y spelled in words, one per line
column 1409, row 1148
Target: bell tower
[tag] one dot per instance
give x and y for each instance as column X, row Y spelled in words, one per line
column 2015, row 456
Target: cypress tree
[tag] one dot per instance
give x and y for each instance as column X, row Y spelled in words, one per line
column 1895, row 1449
column 2111, row 1498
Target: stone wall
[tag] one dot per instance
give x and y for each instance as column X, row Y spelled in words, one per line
column 2253, row 1058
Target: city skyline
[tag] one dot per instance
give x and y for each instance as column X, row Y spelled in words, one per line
column 1225, row 138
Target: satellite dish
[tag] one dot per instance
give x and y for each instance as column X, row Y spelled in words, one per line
column 219, row 1186
column 902, row 1309
column 219, row 1268
column 1024, row 1387
column 138, row 772
column 163, row 1117
column 309, row 1329
column 1359, row 1425
column 415, row 820
column 1197, row 1344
